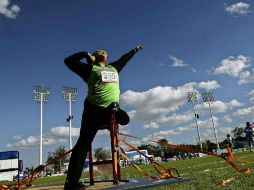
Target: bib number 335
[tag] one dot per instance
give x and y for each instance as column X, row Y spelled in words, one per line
column 109, row 76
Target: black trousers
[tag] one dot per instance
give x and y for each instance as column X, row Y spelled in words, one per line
column 250, row 143
column 92, row 119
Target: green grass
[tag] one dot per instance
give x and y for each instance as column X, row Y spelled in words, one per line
column 206, row 173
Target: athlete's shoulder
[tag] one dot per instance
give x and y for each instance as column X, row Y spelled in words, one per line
column 111, row 67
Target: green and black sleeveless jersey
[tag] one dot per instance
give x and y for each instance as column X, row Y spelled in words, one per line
column 103, row 86
column 103, row 82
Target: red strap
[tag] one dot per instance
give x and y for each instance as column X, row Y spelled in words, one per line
column 135, row 166
column 134, row 148
column 29, row 179
column 245, row 171
column 154, row 163
column 176, row 146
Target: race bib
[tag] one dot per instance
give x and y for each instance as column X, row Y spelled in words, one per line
column 109, row 76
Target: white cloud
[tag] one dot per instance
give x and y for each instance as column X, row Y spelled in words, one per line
column 193, row 70
column 155, row 103
column 177, row 62
column 10, row 11
column 56, row 135
column 246, row 77
column 208, row 123
column 104, row 132
column 151, row 125
column 232, row 66
column 205, row 127
column 166, row 134
column 50, row 141
column 29, row 142
column 63, row 132
column 158, row 97
column 251, row 93
column 246, row 112
column 219, row 106
column 157, row 107
column 239, row 8
column 175, row 119
column 227, row 119
column 135, row 143
column 209, row 85
column 171, row 120
column 234, row 103
column 32, row 142
column 221, row 133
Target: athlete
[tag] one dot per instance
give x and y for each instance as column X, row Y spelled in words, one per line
column 249, row 135
column 103, row 90
column 230, row 141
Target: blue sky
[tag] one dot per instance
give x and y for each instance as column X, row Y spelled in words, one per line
column 188, row 45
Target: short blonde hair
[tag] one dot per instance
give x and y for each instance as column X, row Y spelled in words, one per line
column 100, row 50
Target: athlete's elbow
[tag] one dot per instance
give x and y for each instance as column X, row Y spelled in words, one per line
column 67, row 61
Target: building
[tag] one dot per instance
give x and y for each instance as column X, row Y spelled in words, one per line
column 137, row 158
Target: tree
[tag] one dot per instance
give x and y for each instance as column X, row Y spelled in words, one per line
column 238, row 132
column 163, row 141
column 154, row 150
column 58, row 157
column 29, row 170
column 211, row 146
column 224, row 144
column 101, row 154
column 204, row 145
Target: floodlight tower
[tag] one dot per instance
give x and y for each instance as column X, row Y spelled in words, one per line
column 192, row 98
column 69, row 95
column 208, row 98
column 41, row 95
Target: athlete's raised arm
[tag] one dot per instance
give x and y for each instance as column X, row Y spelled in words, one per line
column 74, row 63
column 120, row 63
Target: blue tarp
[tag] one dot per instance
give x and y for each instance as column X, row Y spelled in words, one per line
column 135, row 153
column 9, row 155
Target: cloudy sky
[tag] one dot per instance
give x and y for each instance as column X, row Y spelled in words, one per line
column 189, row 46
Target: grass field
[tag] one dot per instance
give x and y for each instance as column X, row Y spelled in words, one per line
column 206, row 173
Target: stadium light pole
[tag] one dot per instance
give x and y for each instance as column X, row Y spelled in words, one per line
column 41, row 95
column 192, row 98
column 69, row 95
column 208, row 98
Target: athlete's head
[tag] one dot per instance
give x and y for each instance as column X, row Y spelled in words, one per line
column 100, row 55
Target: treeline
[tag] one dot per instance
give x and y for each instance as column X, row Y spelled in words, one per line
column 103, row 154
column 170, row 151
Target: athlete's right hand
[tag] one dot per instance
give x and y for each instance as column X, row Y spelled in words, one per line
column 93, row 58
column 90, row 58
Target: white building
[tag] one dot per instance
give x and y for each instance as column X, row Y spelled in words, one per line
column 137, row 158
